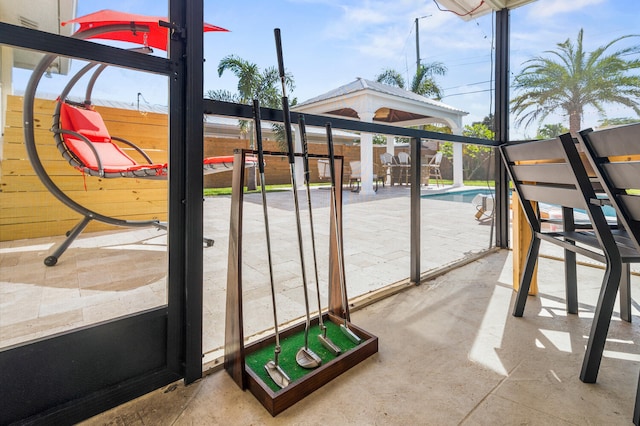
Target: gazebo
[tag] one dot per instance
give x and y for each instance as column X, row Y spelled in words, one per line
column 371, row 101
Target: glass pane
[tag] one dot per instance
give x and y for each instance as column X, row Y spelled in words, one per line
column 112, row 268
column 457, row 221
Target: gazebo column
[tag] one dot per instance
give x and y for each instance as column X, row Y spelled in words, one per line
column 366, row 157
column 457, row 165
column 391, row 149
column 299, row 162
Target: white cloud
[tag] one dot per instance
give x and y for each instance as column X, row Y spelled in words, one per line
column 374, row 16
column 367, row 14
column 383, row 46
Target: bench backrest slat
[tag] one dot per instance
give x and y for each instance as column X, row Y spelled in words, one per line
column 632, row 202
column 547, row 150
column 551, row 173
column 623, row 175
column 567, row 197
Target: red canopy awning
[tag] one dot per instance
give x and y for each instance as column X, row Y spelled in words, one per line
column 157, row 36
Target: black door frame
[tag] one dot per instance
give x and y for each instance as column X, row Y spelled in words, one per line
column 73, row 375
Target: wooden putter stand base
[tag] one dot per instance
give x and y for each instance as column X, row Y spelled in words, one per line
column 235, row 350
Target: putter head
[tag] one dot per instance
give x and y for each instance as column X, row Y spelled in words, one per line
column 329, row 345
column 306, row 358
column 350, row 334
column 277, row 374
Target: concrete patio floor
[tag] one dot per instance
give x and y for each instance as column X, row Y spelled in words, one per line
column 450, row 353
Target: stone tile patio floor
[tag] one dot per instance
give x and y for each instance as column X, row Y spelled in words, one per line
column 104, row 275
column 450, row 352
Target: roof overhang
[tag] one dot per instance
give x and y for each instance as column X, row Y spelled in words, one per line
column 388, row 109
column 471, row 9
column 46, row 15
column 383, row 114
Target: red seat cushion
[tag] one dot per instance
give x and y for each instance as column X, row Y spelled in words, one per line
column 218, row 160
column 112, row 157
column 87, row 122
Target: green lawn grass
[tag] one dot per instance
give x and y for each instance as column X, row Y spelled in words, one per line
column 471, row 182
column 270, row 188
column 211, row 192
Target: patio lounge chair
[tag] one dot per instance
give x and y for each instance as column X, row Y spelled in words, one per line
column 84, row 141
column 404, row 160
column 355, row 177
column 324, row 172
column 81, row 135
column 552, row 172
column 82, row 138
column 434, row 169
column 390, row 166
column 614, row 155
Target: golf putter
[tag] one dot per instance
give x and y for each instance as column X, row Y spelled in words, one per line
column 322, row 337
column 343, row 285
column 305, row 357
column 274, row 370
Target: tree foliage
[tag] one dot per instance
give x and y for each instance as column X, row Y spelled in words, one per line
column 253, row 84
column 549, row 131
column 475, row 158
column 392, row 78
column 618, row 121
column 423, row 82
column 569, row 79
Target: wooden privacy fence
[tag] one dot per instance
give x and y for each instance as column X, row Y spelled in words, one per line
column 28, row 210
column 277, row 169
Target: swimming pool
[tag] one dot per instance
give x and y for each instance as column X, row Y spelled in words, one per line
column 465, row 196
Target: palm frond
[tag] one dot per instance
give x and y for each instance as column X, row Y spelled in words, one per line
column 391, row 77
column 568, row 79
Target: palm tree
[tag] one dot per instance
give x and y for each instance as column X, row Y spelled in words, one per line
column 252, row 84
column 572, row 79
column 423, row 82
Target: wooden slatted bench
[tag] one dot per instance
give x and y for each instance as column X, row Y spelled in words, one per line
column 552, row 172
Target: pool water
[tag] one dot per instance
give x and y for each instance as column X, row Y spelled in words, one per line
column 468, row 195
column 465, row 196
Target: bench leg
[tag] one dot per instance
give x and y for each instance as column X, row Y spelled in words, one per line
column 636, row 411
column 571, row 281
column 527, row 276
column 625, row 293
column 601, row 320
column 570, row 270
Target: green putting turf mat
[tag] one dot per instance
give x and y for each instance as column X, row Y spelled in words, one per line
column 290, row 346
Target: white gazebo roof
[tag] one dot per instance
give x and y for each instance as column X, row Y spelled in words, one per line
column 387, row 104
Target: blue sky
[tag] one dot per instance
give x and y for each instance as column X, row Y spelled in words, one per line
column 328, row 43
